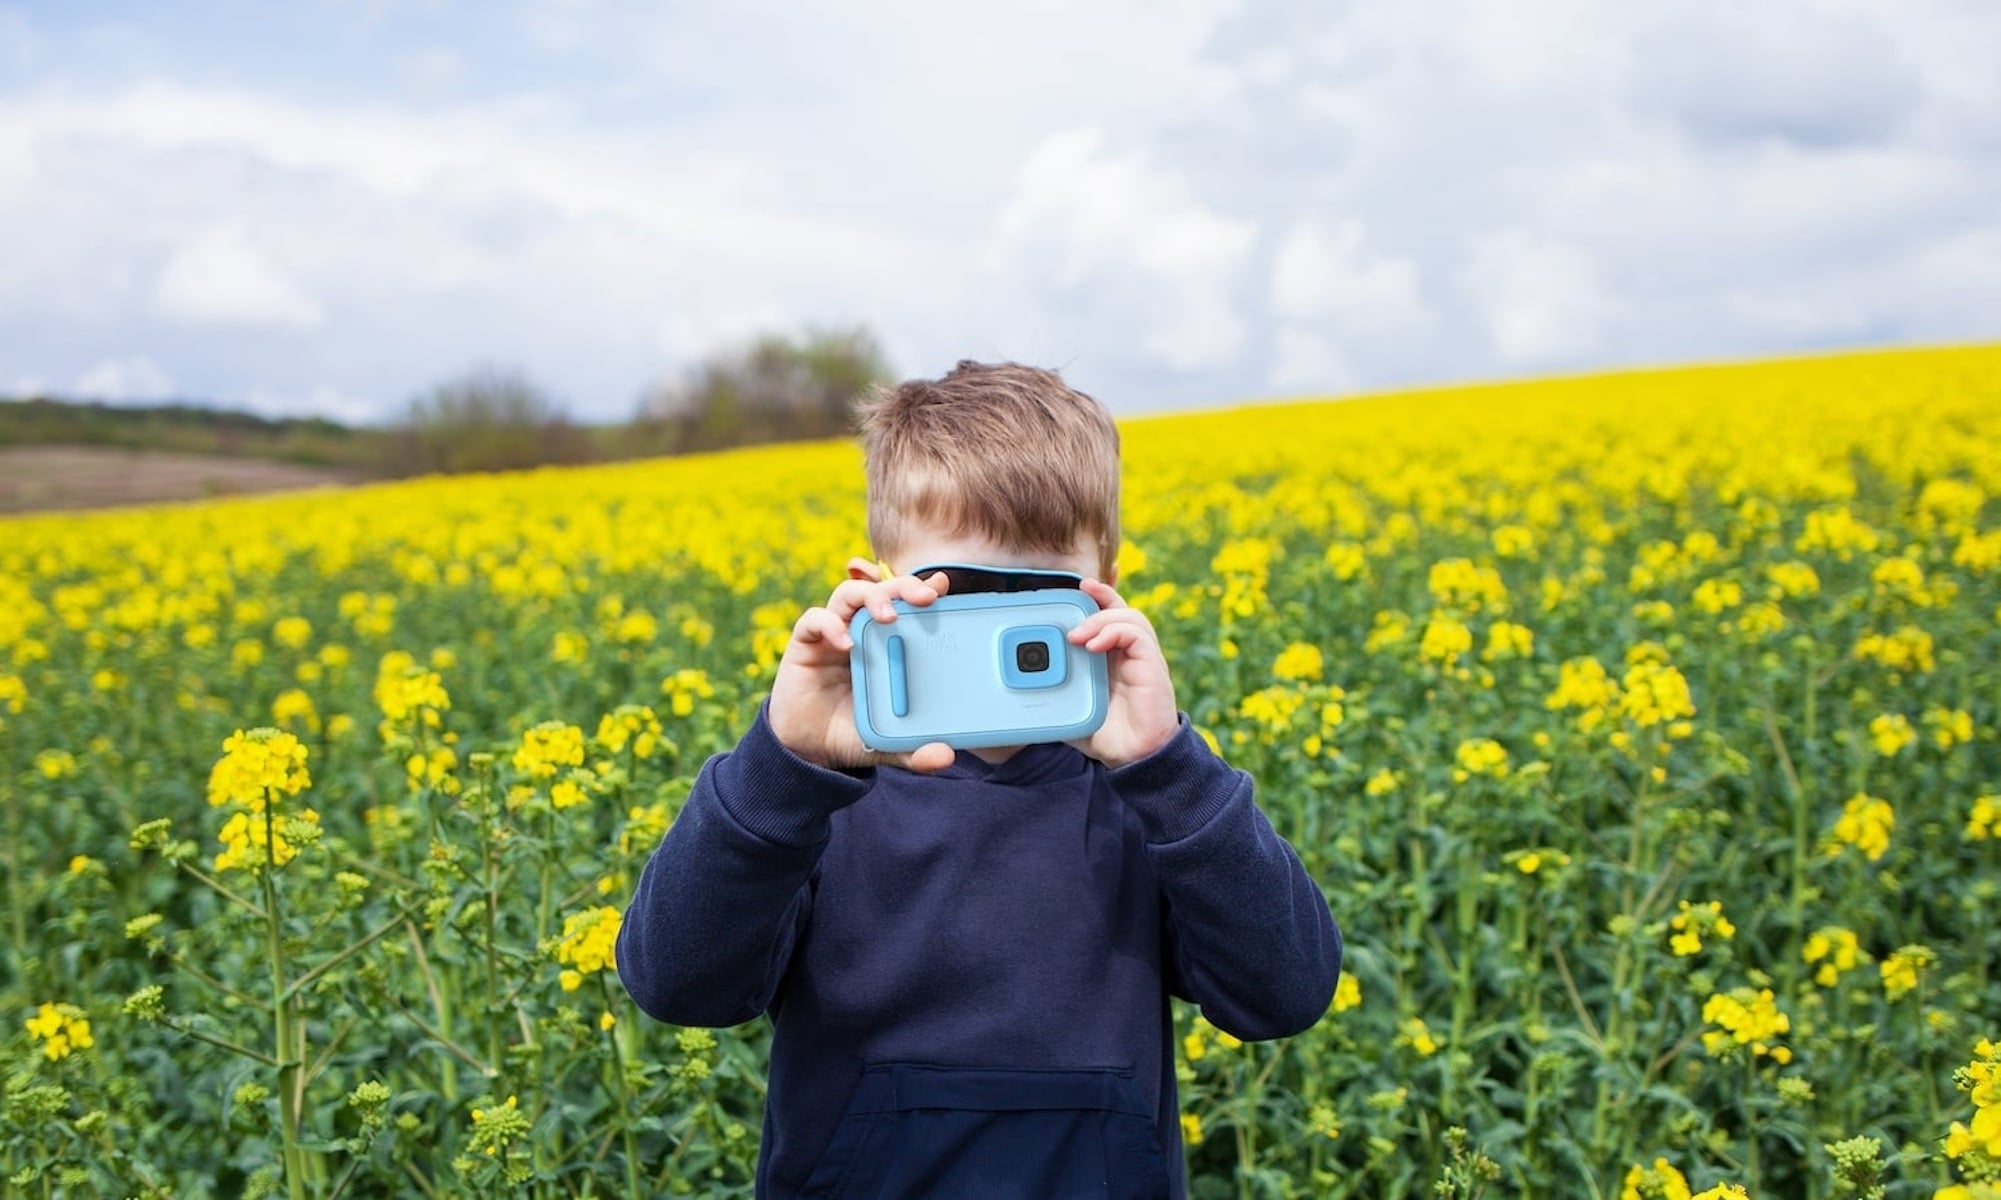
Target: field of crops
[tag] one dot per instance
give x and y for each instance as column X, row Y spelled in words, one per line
column 1641, row 729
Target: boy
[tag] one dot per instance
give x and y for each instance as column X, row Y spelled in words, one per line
column 967, row 956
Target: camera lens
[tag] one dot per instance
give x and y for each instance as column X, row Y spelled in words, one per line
column 1031, row 658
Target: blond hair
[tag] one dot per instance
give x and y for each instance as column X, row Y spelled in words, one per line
column 998, row 450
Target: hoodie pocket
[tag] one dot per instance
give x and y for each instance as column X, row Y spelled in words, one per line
column 913, row 1130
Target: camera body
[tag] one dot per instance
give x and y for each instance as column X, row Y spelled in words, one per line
column 987, row 669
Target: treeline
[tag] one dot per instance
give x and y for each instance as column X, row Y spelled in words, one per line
column 189, row 429
column 775, row 388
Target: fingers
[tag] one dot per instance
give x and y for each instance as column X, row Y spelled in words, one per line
column 876, row 596
column 1102, row 592
column 1114, row 628
column 820, row 625
column 932, row 756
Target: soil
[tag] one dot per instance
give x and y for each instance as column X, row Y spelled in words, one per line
column 71, row 477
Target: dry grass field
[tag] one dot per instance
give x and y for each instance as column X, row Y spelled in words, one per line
column 69, row 477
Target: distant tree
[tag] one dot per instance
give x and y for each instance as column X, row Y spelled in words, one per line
column 489, row 419
column 776, row 388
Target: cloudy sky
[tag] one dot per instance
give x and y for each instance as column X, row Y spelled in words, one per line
column 329, row 205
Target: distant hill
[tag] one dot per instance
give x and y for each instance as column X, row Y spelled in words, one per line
column 191, row 429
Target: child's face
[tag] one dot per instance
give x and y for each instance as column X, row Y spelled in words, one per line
column 925, row 545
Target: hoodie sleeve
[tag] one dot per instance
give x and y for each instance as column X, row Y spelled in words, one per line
column 711, row 926
column 1249, row 934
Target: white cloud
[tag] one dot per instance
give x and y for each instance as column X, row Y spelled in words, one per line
column 220, row 278
column 1084, row 214
column 1540, row 299
column 1305, row 361
column 687, row 336
column 137, row 378
column 318, row 400
column 1329, row 276
column 1177, row 201
column 435, row 69
column 1790, row 71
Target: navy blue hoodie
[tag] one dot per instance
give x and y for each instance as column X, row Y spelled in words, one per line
column 968, row 972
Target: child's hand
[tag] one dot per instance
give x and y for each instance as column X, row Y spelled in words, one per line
column 812, row 697
column 1143, row 716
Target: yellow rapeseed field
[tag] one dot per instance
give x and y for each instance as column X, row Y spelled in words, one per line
column 1641, row 727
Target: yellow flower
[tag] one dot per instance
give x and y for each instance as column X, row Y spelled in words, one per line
column 63, row 1029
column 1744, row 1018
column 1480, row 756
column 1890, row 733
column 1381, row 783
column 635, row 627
column 631, row 725
column 1347, row 993
column 589, row 944
column 1414, row 1033
column 1445, row 640
column 1191, row 1129
column 546, row 747
column 569, row 647
column 1949, row 726
column 1837, row 952
column 252, row 841
column 55, row 764
column 1712, row 596
column 1983, row 818
column 1908, row 649
column 1653, row 693
column 1658, row 1182
column 1388, row 629
column 1505, row 639
column 684, row 687
column 295, row 706
column 1696, row 920
column 1902, row 969
column 259, row 765
column 1300, row 660
column 1866, row 824
column 1457, row 583
column 1514, row 541
column 434, row 770
column 1272, row 708
column 292, row 632
column 1836, row 531
column 1583, row 684
column 408, row 695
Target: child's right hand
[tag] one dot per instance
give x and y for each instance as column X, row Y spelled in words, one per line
column 812, row 698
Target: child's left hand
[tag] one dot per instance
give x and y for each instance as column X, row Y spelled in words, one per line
column 1143, row 716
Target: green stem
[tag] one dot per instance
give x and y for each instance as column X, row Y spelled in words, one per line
column 493, row 992
column 1797, row 906
column 623, row 1098
column 224, row 1044
column 246, row 998
column 1751, row 1126
column 223, row 890
column 289, row 1037
column 298, row 985
column 17, row 889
